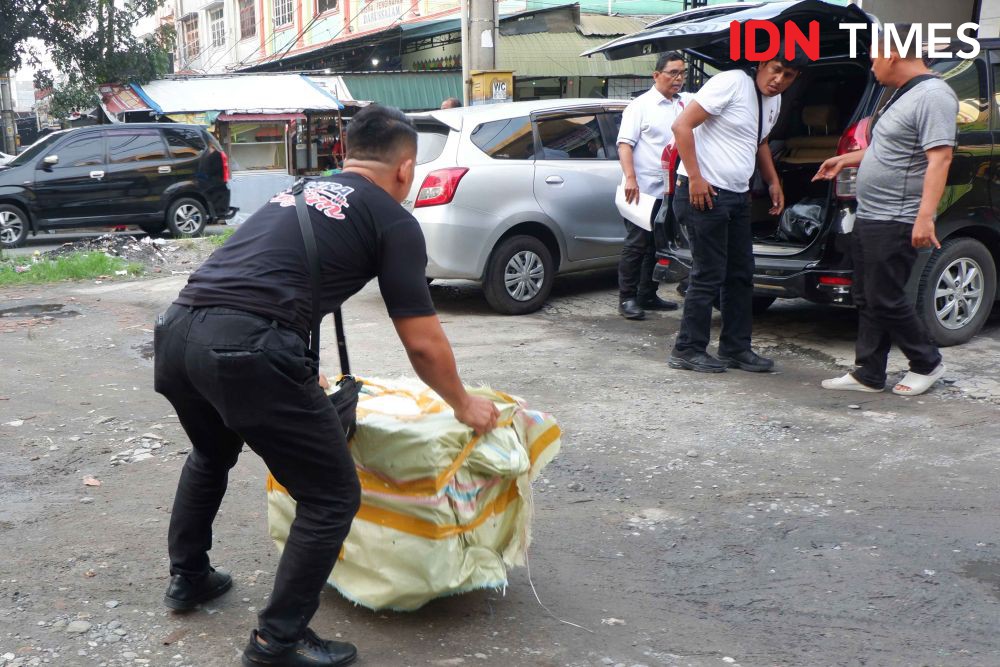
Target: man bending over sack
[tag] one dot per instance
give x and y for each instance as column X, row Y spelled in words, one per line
column 232, row 358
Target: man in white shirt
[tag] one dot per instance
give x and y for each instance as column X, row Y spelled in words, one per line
column 721, row 138
column 645, row 132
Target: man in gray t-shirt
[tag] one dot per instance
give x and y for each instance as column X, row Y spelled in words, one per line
column 901, row 179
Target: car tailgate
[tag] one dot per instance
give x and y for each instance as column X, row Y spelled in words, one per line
column 704, row 32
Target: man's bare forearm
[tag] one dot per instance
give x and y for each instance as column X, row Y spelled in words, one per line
column 852, row 159
column 934, row 184
column 766, row 163
column 625, row 157
column 431, row 356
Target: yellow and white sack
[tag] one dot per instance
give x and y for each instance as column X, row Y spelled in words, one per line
column 442, row 511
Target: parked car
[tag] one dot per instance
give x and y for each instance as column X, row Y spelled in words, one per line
column 826, row 113
column 4, row 158
column 155, row 175
column 513, row 194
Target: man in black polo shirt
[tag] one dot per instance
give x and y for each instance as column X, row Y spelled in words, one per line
column 232, row 358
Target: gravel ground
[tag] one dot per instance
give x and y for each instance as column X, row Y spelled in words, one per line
column 690, row 520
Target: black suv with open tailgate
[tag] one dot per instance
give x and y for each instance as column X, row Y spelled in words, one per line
column 155, row 175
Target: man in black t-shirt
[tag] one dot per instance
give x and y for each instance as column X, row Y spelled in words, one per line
column 232, row 358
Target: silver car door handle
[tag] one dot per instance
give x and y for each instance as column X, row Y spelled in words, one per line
column 164, row 170
column 97, row 174
column 554, row 180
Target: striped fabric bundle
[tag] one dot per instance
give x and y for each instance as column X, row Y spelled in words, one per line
column 443, row 511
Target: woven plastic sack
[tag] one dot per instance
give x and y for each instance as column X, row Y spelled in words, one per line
column 443, row 511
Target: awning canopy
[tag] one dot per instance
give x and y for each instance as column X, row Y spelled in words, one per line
column 557, row 54
column 240, row 93
column 260, row 117
column 409, row 91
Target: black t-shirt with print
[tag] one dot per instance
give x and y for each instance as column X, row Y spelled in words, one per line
column 361, row 233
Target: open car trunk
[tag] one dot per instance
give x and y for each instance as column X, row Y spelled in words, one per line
column 815, row 112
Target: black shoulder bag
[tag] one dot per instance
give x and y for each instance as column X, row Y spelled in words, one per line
column 345, row 399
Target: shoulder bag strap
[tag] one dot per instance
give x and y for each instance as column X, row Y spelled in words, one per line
column 907, row 87
column 312, row 257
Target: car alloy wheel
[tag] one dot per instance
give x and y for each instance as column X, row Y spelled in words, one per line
column 959, row 293
column 13, row 227
column 187, row 218
column 524, row 276
column 956, row 290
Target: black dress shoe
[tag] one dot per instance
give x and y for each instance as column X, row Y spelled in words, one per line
column 656, row 303
column 748, row 360
column 701, row 362
column 630, row 310
column 309, row 651
column 185, row 593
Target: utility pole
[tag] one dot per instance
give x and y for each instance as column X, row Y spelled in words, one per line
column 480, row 29
column 7, row 116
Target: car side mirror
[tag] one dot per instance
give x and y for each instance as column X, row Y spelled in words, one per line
column 50, row 160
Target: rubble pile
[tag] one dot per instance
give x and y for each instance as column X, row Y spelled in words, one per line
column 146, row 250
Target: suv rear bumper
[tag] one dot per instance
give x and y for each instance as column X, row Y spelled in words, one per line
column 785, row 279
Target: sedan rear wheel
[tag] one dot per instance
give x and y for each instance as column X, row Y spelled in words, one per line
column 13, row 226
column 519, row 276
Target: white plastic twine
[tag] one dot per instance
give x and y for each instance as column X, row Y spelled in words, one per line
column 527, row 564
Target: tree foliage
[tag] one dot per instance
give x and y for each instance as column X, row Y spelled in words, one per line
column 90, row 42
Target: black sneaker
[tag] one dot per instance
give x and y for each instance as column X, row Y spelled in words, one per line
column 309, row 651
column 748, row 360
column 701, row 362
column 186, row 593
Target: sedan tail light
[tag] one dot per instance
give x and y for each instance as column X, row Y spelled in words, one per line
column 439, row 187
column 226, row 174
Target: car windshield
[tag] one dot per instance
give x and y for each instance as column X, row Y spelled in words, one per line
column 34, row 150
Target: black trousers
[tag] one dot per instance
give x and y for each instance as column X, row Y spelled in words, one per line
column 234, row 377
column 635, row 268
column 722, row 267
column 883, row 256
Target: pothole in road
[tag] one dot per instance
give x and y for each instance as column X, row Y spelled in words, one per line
column 985, row 572
column 39, row 310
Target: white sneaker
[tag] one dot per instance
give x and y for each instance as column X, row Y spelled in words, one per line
column 848, row 383
column 914, row 384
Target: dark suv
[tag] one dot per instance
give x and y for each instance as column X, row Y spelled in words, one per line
column 825, row 113
column 155, row 175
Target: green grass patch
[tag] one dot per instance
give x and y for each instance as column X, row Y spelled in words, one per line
column 219, row 239
column 76, row 266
